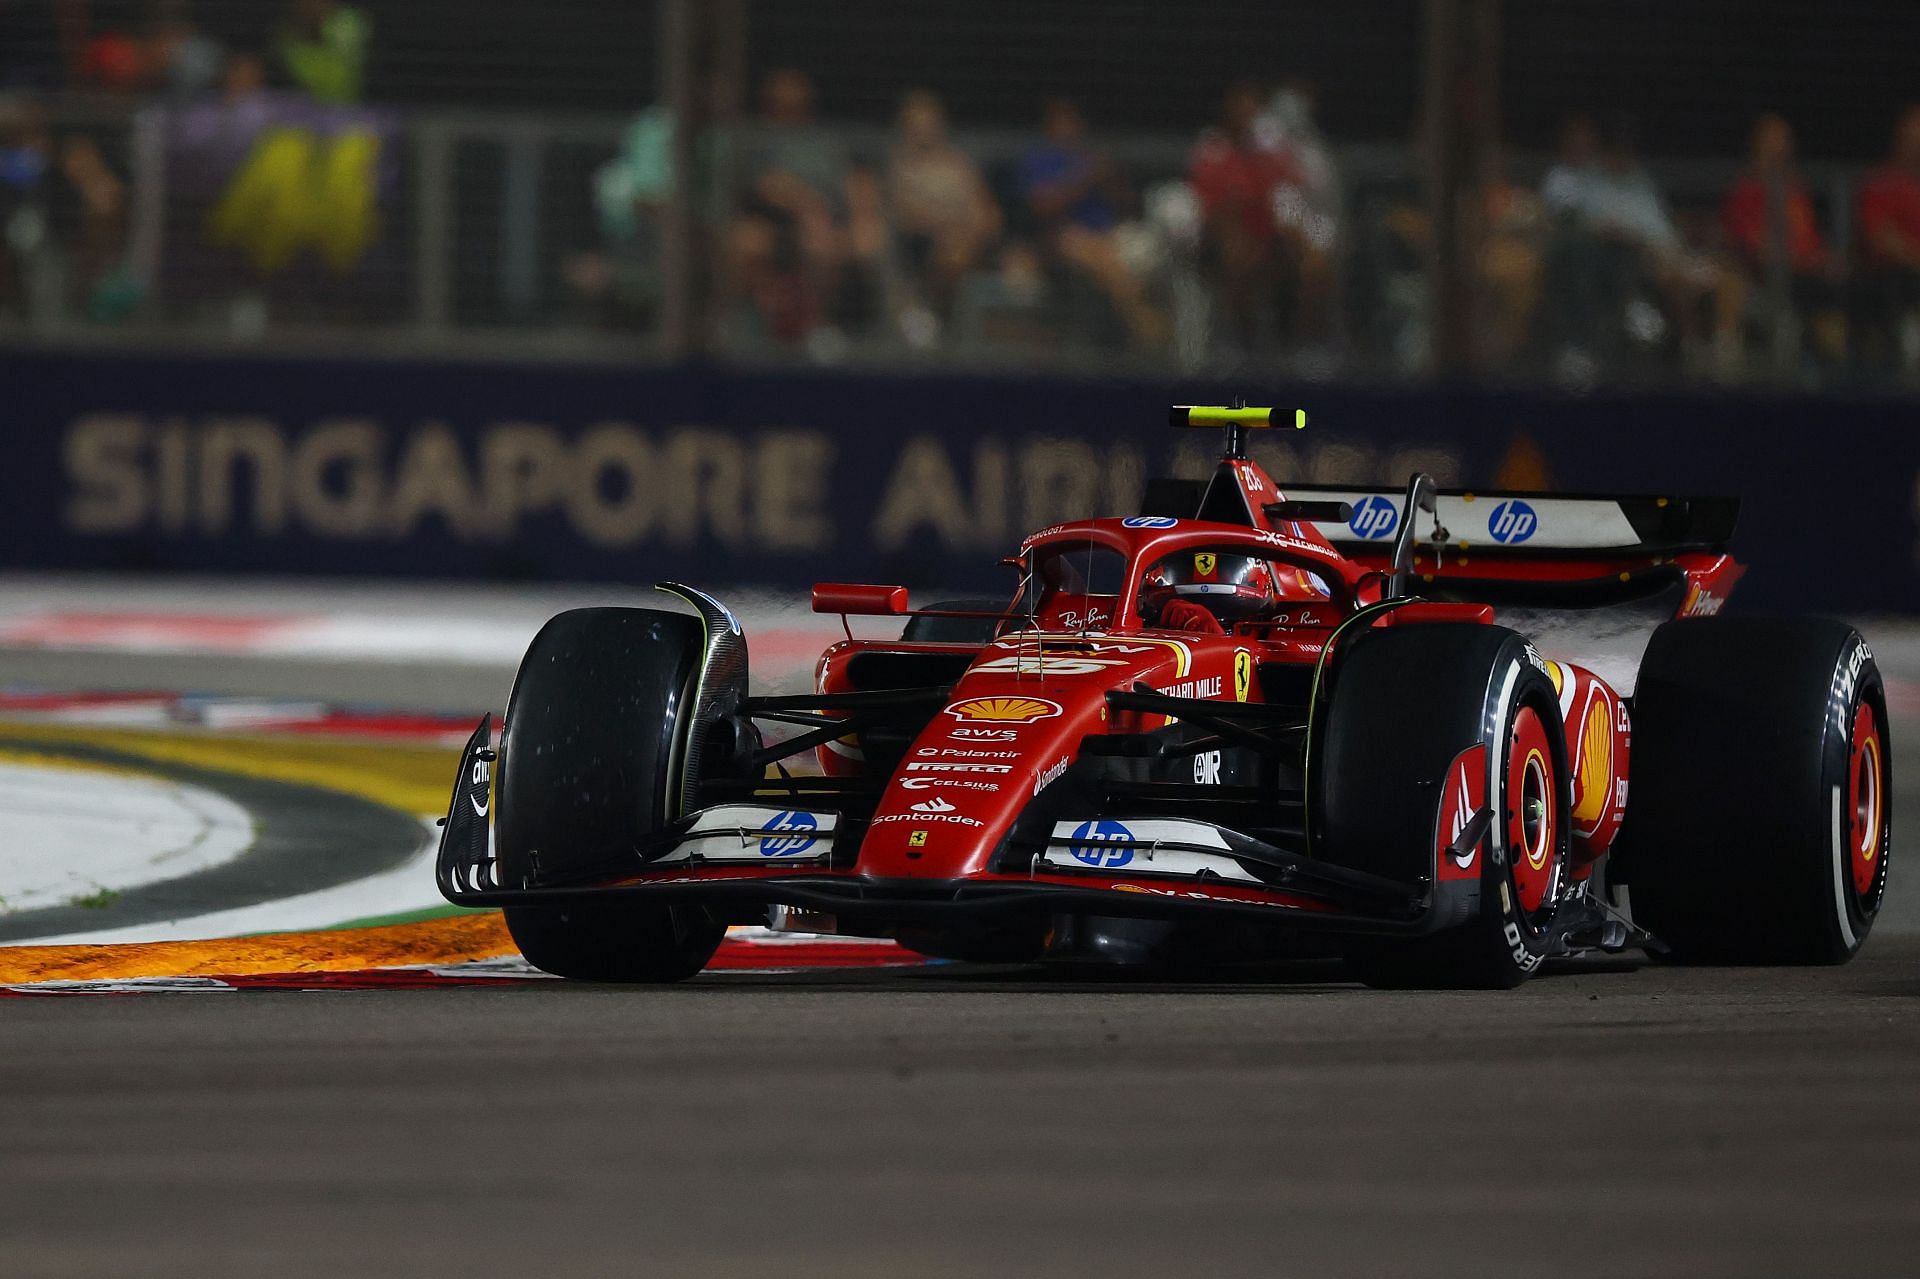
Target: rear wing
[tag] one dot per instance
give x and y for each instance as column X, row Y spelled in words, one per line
column 1502, row 522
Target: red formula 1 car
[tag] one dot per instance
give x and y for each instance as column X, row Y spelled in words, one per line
column 1242, row 724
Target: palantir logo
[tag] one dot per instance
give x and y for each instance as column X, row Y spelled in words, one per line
column 1094, row 843
column 1374, row 517
column 1512, row 521
column 801, row 837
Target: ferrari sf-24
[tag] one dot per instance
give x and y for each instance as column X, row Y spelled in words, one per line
column 1239, row 725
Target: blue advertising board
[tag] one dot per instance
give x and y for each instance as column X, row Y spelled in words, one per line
column 781, row 477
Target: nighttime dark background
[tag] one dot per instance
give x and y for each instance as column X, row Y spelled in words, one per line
column 1839, row 69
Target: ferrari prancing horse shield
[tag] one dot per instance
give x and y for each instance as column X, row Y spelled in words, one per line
column 1242, row 674
column 1204, row 563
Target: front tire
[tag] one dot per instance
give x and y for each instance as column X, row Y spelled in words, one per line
column 1408, row 707
column 616, row 941
column 1759, row 823
column 591, row 762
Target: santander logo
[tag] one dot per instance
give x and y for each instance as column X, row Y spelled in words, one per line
column 934, row 805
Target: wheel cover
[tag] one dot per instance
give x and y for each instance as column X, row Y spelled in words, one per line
column 1533, row 813
column 1866, row 808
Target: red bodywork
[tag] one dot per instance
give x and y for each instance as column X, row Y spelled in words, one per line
column 986, row 770
column 990, row 761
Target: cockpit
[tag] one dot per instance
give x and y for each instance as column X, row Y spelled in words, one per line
column 1216, row 591
column 1081, row 585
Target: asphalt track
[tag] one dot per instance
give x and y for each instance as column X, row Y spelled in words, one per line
column 1620, row 1120
column 1622, row 1123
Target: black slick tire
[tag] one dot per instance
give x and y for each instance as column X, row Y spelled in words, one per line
column 1759, row 821
column 1404, row 705
column 594, row 739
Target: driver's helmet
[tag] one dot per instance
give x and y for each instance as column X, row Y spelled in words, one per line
column 1234, row 588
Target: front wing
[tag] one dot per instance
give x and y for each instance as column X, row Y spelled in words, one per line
column 753, row 855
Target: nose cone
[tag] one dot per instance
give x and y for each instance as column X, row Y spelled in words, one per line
column 1013, row 727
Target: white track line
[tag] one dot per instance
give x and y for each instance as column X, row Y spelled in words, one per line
column 408, row 886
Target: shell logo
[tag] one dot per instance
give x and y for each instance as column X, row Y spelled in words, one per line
column 1595, row 775
column 1003, row 710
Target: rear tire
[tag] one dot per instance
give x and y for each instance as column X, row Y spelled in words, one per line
column 1758, row 825
column 590, row 761
column 1405, row 703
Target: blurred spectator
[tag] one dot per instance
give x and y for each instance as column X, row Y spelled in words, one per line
column 25, row 196
column 182, row 61
column 793, row 253
column 1510, row 261
column 1890, row 251
column 95, row 236
column 112, row 61
column 1075, row 197
column 323, row 49
column 1257, row 259
column 1509, row 268
column 1769, row 223
column 1575, row 165
column 1286, row 127
column 796, row 172
column 1614, row 236
column 944, row 220
column 869, row 249
column 63, row 217
column 1745, row 215
column 231, row 122
column 623, row 279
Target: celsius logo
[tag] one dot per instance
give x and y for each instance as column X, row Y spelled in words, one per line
column 1148, row 521
column 1373, row 517
column 1512, row 521
column 1102, row 844
column 799, row 836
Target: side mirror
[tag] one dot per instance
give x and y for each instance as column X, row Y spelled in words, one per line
column 859, row 600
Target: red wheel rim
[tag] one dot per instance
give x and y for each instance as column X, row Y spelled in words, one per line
column 1533, row 814
column 1866, row 801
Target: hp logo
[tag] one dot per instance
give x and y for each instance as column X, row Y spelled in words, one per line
column 1512, row 521
column 1095, row 844
column 1148, row 521
column 1374, row 517
column 800, row 828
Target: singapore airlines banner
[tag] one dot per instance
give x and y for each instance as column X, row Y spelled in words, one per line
column 262, row 465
